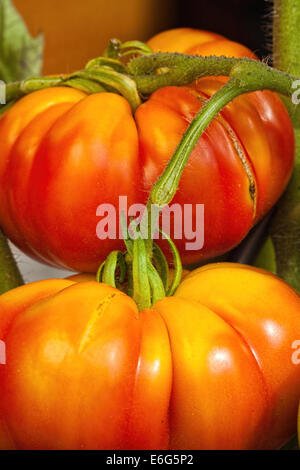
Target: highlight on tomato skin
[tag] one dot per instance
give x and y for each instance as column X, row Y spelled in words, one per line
column 209, row 368
column 71, row 153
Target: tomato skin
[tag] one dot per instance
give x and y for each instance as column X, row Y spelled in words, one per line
column 228, row 207
column 197, row 42
column 50, row 182
column 71, row 353
column 266, row 316
column 181, row 40
column 64, row 154
column 86, row 370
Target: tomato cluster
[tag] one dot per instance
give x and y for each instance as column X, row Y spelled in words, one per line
column 64, row 153
column 210, row 367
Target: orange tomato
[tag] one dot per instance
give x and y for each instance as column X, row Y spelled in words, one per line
column 64, row 153
column 210, row 368
column 197, row 42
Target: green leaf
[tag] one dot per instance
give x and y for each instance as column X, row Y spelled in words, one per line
column 20, row 54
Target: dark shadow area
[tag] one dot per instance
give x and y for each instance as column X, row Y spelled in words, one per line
column 245, row 21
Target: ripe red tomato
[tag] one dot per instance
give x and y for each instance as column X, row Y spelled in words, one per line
column 210, row 368
column 64, row 153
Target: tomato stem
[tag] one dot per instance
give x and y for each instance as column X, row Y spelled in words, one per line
column 147, row 270
column 166, row 186
column 149, row 72
column 158, row 70
column 285, row 225
column 246, row 75
column 119, row 82
column 10, row 276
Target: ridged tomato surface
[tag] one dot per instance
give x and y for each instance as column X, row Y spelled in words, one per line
column 210, row 368
column 63, row 154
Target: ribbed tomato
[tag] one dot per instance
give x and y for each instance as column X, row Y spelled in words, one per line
column 64, row 153
column 210, row 368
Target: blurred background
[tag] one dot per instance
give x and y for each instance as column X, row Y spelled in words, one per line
column 76, row 31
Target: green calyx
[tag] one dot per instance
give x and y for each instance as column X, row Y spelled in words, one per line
column 103, row 74
column 143, row 274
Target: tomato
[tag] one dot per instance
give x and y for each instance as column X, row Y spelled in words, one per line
column 64, row 153
column 209, row 368
column 194, row 41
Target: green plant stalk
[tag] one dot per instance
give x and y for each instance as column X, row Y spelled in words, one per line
column 143, row 75
column 10, row 276
column 245, row 76
column 285, row 225
column 183, row 69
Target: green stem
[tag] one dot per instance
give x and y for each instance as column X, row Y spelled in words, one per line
column 245, row 76
column 166, row 186
column 141, row 283
column 156, row 284
column 10, row 276
column 16, row 90
column 177, row 266
column 182, row 69
column 148, row 73
column 286, row 39
column 114, row 80
column 147, row 272
column 114, row 261
column 91, row 80
column 161, row 265
column 285, row 225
